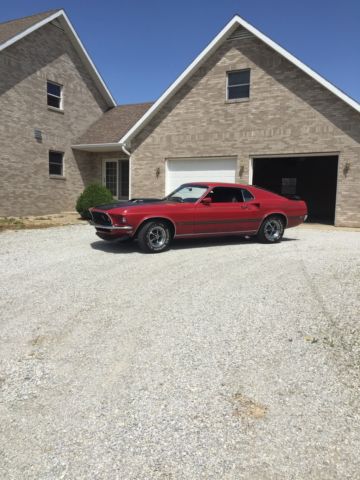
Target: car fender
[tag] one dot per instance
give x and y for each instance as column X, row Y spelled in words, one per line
column 275, row 211
column 154, row 217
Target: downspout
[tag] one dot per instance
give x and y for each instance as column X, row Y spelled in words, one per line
column 125, row 150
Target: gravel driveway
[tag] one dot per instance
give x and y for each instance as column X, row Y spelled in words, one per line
column 221, row 359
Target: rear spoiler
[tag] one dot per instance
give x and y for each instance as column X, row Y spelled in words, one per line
column 290, row 196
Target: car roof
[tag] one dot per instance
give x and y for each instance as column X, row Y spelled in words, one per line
column 219, row 184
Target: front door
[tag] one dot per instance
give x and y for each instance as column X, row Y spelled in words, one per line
column 116, row 177
column 110, row 176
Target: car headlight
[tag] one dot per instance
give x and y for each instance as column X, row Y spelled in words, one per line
column 118, row 219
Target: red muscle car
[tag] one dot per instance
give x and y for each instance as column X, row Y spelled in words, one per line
column 200, row 210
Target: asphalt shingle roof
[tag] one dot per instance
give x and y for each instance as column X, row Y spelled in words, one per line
column 113, row 124
column 12, row 28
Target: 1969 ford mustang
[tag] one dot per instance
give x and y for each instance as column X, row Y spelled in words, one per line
column 200, row 210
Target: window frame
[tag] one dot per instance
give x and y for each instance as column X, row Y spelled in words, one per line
column 61, row 97
column 248, row 191
column 57, row 175
column 238, row 190
column 238, row 99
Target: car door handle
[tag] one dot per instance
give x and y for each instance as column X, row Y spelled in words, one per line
column 244, row 207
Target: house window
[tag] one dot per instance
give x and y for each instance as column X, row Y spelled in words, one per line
column 56, row 163
column 54, row 95
column 238, row 84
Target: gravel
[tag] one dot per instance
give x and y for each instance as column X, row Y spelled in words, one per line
column 220, row 359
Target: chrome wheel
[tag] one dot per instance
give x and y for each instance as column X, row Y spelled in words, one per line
column 157, row 237
column 273, row 230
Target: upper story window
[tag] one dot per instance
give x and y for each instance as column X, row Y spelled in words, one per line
column 56, row 163
column 54, row 95
column 238, row 84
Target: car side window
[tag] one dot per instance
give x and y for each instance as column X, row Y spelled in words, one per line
column 225, row 195
column 248, row 196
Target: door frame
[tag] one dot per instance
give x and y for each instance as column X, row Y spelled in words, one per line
column 104, row 162
column 103, row 175
column 291, row 155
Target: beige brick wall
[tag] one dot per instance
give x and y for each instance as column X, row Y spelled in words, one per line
column 25, row 185
column 288, row 113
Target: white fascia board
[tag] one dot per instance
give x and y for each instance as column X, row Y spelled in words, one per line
column 31, row 29
column 79, row 47
column 98, row 147
column 309, row 71
column 225, row 32
column 86, row 57
column 181, row 79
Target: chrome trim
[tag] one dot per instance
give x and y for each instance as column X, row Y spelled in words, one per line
column 108, row 227
column 214, row 233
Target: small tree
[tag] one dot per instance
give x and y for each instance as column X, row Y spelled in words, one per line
column 92, row 196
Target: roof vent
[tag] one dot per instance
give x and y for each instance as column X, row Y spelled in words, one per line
column 240, row 32
column 38, row 135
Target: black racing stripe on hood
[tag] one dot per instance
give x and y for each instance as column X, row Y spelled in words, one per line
column 130, row 203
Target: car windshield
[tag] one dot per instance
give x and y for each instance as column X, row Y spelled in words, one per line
column 187, row 193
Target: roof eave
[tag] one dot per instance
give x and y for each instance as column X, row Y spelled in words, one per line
column 99, row 147
column 79, row 47
column 212, row 46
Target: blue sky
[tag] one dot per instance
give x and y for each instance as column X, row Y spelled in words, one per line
column 141, row 46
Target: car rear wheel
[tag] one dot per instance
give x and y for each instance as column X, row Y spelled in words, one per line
column 271, row 230
column 154, row 237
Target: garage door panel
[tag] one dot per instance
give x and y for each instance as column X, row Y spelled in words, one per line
column 199, row 170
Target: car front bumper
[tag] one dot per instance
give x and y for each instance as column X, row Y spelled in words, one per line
column 111, row 232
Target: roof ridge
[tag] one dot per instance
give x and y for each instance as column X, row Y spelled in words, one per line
column 48, row 12
column 221, row 37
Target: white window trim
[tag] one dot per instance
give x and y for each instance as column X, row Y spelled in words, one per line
column 105, row 161
column 213, row 45
column 239, row 99
column 51, row 107
column 55, row 175
column 117, row 160
column 79, row 47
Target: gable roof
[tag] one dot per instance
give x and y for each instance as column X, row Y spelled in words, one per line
column 113, row 124
column 234, row 23
column 14, row 30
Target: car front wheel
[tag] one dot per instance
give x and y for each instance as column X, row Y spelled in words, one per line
column 154, row 237
column 271, row 230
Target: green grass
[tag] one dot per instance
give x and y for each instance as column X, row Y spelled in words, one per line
column 10, row 222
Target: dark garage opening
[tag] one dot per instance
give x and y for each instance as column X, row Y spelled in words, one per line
column 313, row 179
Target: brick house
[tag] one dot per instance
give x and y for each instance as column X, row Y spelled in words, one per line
column 245, row 110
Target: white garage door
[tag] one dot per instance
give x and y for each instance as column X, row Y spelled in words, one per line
column 199, row 170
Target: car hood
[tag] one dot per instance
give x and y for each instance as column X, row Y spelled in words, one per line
column 137, row 204
column 129, row 203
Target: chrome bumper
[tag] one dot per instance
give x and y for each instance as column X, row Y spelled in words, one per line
column 125, row 228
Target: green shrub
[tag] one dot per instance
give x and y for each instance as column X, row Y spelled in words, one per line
column 92, row 196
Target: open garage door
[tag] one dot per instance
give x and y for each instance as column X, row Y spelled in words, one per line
column 313, row 179
column 179, row 171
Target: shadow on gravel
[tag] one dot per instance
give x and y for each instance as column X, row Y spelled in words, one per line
column 132, row 246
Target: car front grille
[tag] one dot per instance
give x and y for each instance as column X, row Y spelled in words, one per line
column 101, row 218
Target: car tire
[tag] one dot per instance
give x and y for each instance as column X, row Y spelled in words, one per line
column 154, row 237
column 271, row 230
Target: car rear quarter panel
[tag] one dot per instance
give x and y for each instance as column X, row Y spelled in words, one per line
column 272, row 204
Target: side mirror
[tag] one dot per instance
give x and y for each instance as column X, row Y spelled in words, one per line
column 206, row 201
